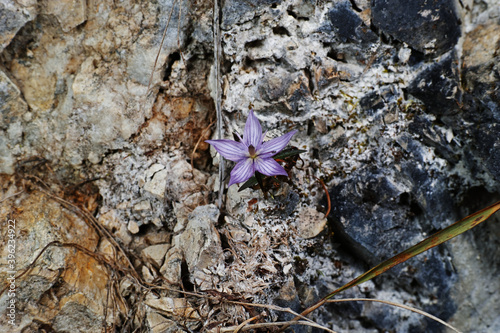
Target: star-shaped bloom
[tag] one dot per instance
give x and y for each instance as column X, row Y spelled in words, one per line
column 251, row 154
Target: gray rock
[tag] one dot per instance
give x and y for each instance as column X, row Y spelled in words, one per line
column 171, row 269
column 12, row 110
column 239, row 11
column 13, row 16
column 201, row 246
column 348, row 26
column 73, row 313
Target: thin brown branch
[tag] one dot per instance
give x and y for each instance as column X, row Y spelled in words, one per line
column 199, row 141
column 327, row 195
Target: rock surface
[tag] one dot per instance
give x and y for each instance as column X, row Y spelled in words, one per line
column 64, row 285
column 436, row 22
column 396, row 104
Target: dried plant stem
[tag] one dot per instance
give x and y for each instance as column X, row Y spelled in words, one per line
column 218, row 97
column 423, row 313
column 271, row 307
column 161, row 46
column 327, row 196
column 198, row 142
column 265, row 325
column 245, row 323
column 12, row 196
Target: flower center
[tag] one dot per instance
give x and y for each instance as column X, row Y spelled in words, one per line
column 251, row 151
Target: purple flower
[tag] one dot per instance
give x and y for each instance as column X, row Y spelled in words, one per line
column 251, row 154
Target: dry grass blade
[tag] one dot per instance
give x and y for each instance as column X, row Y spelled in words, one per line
column 423, row 313
column 326, row 194
column 272, row 307
column 278, row 308
column 11, row 196
column 266, row 325
column 161, row 46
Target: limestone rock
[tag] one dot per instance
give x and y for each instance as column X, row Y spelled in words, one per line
column 12, row 111
column 171, row 269
column 177, row 309
column 156, row 253
column 13, row 16
column 39, row 221
column 69, row 13
column 310, row 222
column 156, row 183
column 159, row 324
column 200, row 244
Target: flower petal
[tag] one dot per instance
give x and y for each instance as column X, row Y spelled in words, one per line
column 274, row 146
column 253, row 131
column 231, row 150
column 242, row 171
column 269, row 167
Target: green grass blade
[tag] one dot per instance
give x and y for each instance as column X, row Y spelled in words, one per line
column 438, row 238
column 249, row 183
column 288, row 152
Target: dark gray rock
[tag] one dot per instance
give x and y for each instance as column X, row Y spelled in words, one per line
column 346, row 33
column 348, row 26
column 484, row 139
column 438, row 86
column 427, row 26
column 374, row 219
column 377, row 216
